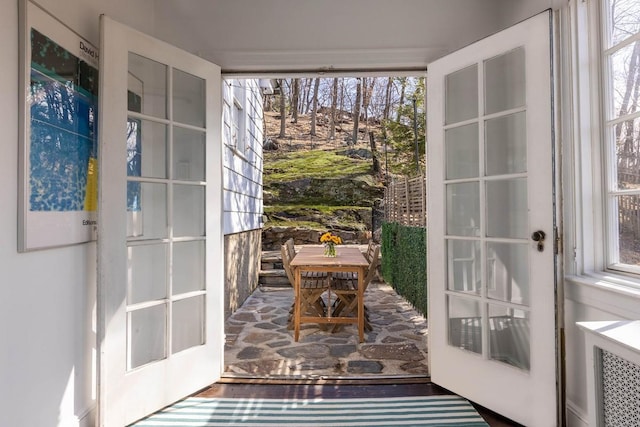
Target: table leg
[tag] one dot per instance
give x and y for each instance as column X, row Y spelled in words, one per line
column 361, row 304
column 296, row 305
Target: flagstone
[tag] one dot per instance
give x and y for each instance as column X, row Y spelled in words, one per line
column 392, row 351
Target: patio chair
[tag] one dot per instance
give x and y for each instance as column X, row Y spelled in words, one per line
column 345, row 287
column 312, row 286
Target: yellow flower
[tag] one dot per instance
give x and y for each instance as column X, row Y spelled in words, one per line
column 330, row 238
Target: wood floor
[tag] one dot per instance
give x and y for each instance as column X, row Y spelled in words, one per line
column 337, row 389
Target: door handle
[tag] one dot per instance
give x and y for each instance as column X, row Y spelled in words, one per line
column 538, row 236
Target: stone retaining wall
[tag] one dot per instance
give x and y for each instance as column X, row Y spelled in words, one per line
column 274, row 237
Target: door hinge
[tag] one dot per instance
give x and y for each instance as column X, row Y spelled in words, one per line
column 557, row 241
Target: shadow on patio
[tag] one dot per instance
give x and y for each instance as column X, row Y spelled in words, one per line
column 259, row 344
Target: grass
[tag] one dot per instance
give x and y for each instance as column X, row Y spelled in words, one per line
column 281, row 167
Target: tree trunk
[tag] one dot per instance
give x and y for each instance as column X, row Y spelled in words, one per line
column 387, row 99
column 308, row 99
column 316, row 86
column 374, row 155
column 295, row 99
column 334, row 102
column 367, row 92
column 403, row 86
column 283, row 110
column 356, row 112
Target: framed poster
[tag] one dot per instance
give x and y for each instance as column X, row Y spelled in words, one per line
column 58, row 129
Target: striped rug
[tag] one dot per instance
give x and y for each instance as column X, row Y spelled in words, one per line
column 390, row 411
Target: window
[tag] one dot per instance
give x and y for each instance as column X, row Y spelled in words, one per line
column 620, row 24
column 238, row 117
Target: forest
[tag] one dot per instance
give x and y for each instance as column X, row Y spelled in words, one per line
column 386, row 114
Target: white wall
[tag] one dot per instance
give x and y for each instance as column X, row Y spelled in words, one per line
column 47, row 297
column 243, row 170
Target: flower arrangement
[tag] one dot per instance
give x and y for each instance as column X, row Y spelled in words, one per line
column 330, row 241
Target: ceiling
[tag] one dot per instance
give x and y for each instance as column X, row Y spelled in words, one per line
column 257, row 36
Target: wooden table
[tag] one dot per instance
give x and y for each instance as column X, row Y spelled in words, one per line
column 311, row 258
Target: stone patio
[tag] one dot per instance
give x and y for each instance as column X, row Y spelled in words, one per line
column 260, row 345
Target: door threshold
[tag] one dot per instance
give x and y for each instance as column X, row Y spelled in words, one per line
column 320, row 380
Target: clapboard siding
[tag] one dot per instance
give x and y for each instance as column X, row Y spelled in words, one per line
column 242, row 164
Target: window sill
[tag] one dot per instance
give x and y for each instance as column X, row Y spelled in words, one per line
column 613, row 294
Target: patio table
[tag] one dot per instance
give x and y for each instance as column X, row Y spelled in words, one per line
column 311, row 258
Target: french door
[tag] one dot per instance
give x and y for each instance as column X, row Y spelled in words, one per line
column 491, row 280
column 160, row 272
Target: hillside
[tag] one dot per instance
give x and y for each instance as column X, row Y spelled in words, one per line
column 312, row 184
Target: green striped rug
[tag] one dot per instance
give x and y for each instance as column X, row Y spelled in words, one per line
column 390, row 411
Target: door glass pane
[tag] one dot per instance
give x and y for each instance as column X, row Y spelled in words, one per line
column 146, row 210
column 188, row 323
column 461, row 95
column 508, row 272
column 188, row 154
column 628, row 229
column 147, row 332
column 464, row 269
column 461, row 151
column 146, row 148
column 147, row 91
column 509, row 336
column 506, row 144
column 147, row 273
column 504, row 79
column 463, row 209
column 188, row 266
column 188, row 99
column 188, row 210
column 465, row 323
column 507, row 208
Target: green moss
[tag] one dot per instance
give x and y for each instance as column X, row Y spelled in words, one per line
column 305, row 209
column 283, row 167
column 318, row 217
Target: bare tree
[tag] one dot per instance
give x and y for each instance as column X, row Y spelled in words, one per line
column 387, row 99
column 403, row 87
column 356, row 111
column 334, row 103
column 314, row 109
column 295, row 98
column 283, row 110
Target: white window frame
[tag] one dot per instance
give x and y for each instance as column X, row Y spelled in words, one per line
column 239, row 117
column 588, row 236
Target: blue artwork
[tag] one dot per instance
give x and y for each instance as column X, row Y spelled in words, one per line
column 63, row 140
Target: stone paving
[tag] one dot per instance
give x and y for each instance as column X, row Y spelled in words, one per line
column 259, row 343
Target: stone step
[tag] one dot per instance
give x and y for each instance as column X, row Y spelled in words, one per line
column 276, row 278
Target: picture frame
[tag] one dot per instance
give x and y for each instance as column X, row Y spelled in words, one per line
column 58, row 141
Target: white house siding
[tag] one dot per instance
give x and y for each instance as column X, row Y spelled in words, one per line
column 242, row 215
column 243, row 170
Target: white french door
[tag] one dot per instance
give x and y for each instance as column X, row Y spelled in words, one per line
column 491, row 259
column 160, row 272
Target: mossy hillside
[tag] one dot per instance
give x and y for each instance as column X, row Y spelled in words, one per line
column 319, row 178
column 320, row 217
column 323, row 164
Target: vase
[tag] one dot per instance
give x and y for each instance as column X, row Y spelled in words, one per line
column 329, row 250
